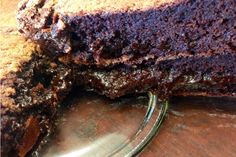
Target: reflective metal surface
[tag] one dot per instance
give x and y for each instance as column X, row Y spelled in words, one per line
column 192, row 124
column 101, row 128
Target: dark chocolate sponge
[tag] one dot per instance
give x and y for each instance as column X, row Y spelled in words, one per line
column 108, row 32
column 174, row 47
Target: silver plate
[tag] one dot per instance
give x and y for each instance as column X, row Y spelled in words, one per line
column 102, row 127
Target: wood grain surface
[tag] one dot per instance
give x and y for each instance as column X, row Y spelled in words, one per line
column 197, row 127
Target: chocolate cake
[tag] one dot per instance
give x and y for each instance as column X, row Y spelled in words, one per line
column 185, row 47
column 174, row 47
column 32, row 85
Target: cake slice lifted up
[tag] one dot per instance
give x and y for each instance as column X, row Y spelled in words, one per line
column 175, row 47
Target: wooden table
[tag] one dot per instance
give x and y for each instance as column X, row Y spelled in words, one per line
column 197, row 127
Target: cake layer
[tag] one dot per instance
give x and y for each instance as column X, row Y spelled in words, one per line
column 127, row 47
column 213, row 75
column 107, row 33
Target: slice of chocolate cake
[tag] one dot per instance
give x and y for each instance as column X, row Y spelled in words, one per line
column 31, row 88
column 185, row 47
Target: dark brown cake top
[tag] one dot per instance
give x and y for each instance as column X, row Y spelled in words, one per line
column 104, row 33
